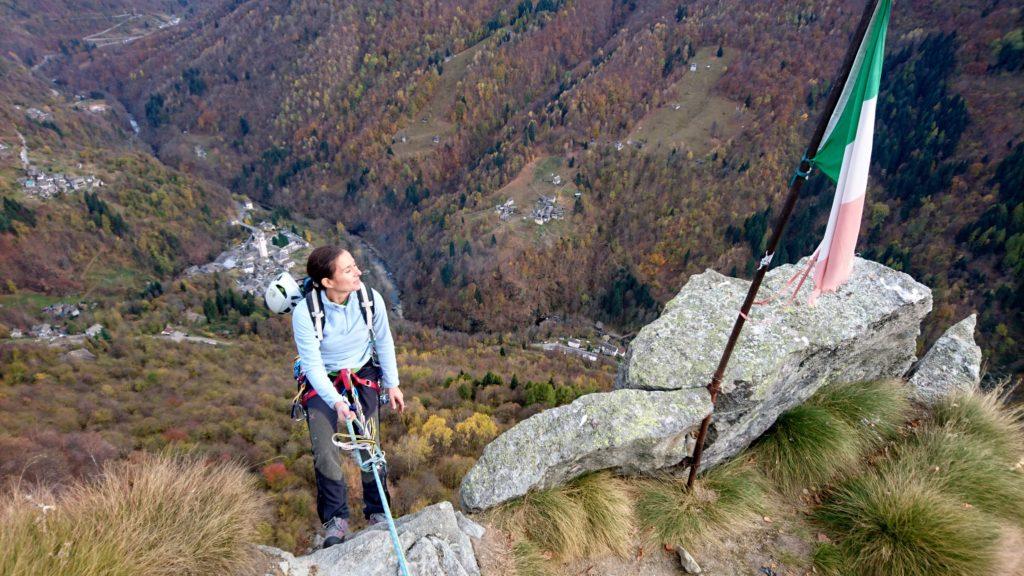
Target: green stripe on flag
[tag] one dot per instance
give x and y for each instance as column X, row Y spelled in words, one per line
column 861, row 85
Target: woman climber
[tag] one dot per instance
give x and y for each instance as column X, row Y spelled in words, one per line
column 340, row 342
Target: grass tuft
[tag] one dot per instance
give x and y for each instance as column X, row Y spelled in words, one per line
column 807, row 446
column 899, row 525
column 608, row 506
column 529, row 560
column 589, row 515
column 155, row 516
column 875, row 409
column 963, row 466
column 986, row 418
column 831, row 433
column 829, row 559
column 725, row 501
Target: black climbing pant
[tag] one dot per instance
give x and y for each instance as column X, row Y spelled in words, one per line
column 331, row 490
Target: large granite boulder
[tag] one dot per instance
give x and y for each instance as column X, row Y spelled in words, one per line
column 952, row 365
column 867, row 329
column 630, row 430
column 436, row 541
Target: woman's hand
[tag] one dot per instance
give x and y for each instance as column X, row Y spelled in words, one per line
column 341, row 407
column 397, row 400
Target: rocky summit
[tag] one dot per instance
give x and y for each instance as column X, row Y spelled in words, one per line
column 787, row 351
column 436, row 540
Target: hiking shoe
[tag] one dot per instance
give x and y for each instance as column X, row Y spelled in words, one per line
column 376, row 518
column 337, row 531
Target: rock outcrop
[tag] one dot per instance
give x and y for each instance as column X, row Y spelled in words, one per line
column 867, row 329
column 436, row 541
column 952, row 365
column 630, row 430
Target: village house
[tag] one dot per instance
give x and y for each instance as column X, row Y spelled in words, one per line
column 547, row 209
column 38, row 115
column 506, row 210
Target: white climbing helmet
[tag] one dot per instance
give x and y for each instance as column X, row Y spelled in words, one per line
column 282, row 294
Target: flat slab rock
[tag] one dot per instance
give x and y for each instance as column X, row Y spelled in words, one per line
column 952, row 365
column 436, row 541
column 865, row 330
column 630, row 430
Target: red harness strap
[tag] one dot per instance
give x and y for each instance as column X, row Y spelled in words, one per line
column 344, row 380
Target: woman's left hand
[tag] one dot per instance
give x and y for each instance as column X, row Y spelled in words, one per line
column 397, row 400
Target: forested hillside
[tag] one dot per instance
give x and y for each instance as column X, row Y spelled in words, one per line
column 39, row 30
column 308, row 106
column 135, row 221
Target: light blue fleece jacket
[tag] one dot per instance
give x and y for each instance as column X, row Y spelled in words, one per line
column 346, row 343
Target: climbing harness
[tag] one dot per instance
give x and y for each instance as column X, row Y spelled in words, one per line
column 342, row 380
column 367, row 441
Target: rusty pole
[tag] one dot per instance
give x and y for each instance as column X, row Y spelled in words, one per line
column 780, row 225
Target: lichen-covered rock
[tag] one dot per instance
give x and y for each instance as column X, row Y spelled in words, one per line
column 630, row 430
column 432, row 540
column 952, row 365
column 867, row 329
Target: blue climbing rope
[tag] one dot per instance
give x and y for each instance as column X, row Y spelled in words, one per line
column 373, row 463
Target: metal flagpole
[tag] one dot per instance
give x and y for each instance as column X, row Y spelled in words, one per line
column 780, row 225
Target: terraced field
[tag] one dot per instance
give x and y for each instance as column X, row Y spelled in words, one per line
column 693, row 119
column 417, row 137
column 536, row 179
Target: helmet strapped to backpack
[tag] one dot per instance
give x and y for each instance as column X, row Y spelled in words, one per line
column 283, row 294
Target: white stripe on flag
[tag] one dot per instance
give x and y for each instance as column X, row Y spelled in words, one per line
column 835, row 254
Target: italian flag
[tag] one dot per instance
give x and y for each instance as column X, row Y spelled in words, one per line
column 844, row 156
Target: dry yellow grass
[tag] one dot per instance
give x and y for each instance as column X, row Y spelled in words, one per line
column 154, row 515
column 589, row 516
